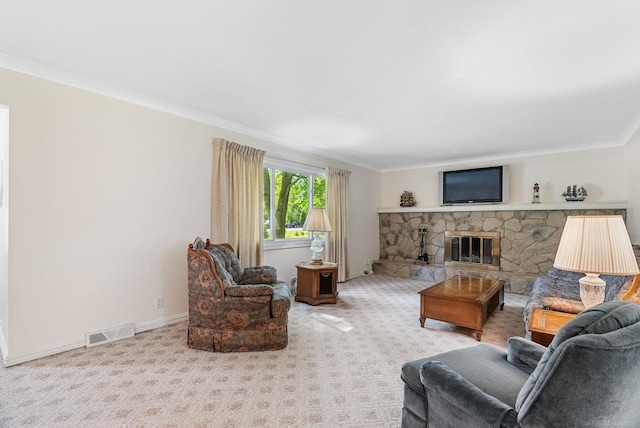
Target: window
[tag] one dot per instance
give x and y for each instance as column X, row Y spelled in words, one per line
column 290, row 191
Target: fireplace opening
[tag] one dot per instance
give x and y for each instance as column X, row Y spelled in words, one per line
column 472, row 249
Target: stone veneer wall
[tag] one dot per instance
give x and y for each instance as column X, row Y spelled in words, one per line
column 528, row 242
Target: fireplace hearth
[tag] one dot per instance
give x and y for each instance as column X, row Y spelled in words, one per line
column 472, row 249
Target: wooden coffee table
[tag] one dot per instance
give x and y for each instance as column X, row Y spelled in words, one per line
column 545, row 323
column 462, row 300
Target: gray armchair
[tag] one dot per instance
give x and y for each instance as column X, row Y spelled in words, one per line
column 588, row 376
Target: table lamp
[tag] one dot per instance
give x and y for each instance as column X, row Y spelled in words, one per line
column 597, row 244
column 317, row 221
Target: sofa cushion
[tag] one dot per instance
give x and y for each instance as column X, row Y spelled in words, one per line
column 483, row 365
column 259, row 275
column 564, row 275
column 614, row 282
column 230, row 260
column 614, row 285
column 250, row 290
column 223, row 273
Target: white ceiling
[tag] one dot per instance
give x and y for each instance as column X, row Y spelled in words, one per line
column 379, row 83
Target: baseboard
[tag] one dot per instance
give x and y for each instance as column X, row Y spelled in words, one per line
column 56, row 348
column 360, row 274
column 161, row 322
column 44, row 351
column 356, row 275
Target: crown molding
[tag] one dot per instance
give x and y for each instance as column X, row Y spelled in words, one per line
column 68, row 79
column 512, row 155
column 47, row 73
column 631, row 129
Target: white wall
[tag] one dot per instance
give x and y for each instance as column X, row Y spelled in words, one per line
column 601, row 172
column 632, row 156
column 4, row 228
column 105, row 197
column 364, row 190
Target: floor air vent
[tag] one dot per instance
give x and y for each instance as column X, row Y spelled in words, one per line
column 110, row 335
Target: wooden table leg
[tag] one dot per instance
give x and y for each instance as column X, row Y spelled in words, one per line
column 478, row 334
column 422, row 322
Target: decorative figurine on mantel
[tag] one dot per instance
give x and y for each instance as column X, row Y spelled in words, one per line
column 406, row 199
column 536, row 194
column 575, row 193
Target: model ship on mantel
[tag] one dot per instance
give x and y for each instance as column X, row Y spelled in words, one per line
column 575, row 193
column 407, row 200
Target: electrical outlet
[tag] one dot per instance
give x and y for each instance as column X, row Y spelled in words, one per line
column 159, row 302
column 367, row 262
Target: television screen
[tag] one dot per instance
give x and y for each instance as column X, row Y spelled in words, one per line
column 469, row 186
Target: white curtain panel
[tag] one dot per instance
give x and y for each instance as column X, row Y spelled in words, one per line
column 237, row 199
column 338, row 202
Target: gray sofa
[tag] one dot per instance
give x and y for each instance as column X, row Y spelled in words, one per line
column 560, row 290
column 588, row 376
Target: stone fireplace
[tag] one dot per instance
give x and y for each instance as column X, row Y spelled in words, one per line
column 472, row 249
column 516, row 245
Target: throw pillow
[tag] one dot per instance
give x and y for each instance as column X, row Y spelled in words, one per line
column 563, row 305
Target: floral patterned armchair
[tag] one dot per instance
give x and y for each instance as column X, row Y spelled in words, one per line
column 234, row 309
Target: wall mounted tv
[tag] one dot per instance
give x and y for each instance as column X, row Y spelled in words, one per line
column 475, row 186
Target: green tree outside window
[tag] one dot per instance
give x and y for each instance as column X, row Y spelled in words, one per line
column 287, row 197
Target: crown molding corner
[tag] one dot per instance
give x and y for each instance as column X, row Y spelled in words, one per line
column 632, row 128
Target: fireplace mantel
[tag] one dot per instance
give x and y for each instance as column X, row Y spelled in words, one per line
column 509, row 207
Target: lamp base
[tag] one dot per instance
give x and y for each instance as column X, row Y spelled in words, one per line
column 592, row 289
column 317, row 247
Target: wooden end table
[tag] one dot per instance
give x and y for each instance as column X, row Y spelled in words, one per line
column 462, row 300
column 545, row 323
column 317, row 283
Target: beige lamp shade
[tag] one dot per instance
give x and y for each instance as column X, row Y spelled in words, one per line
column 596, row 244
column 317, row 221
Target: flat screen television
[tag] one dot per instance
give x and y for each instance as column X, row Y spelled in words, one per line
column 475, row 186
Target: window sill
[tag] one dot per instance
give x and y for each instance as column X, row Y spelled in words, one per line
column 286, row 244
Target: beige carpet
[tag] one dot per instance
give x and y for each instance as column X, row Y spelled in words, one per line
column 341, row 369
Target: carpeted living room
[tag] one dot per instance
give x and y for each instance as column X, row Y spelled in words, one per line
column 319, row 214
column 341, row 368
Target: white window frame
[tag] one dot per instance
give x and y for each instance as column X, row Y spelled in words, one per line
column 298, row 168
